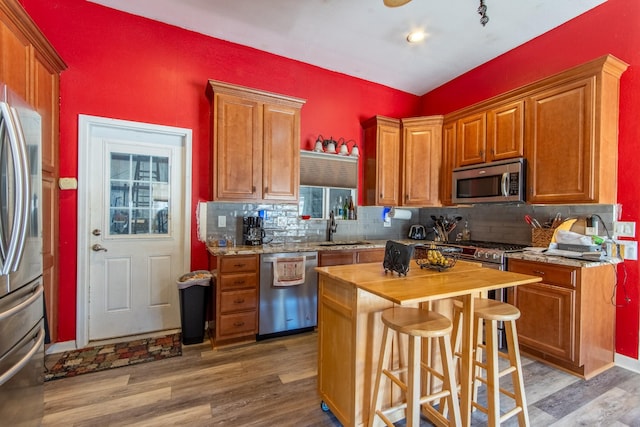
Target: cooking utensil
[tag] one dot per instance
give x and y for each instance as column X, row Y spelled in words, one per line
column 532, row 221
column 557, row 220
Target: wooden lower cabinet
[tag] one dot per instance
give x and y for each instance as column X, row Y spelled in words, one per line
column 349, row 338
column 344, row 257
column 568, row 319
column 236, row 299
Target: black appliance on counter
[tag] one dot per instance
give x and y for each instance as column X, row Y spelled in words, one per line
column 252, row 231
column 491, row 255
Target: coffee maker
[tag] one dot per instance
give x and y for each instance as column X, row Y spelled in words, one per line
column 252, row 230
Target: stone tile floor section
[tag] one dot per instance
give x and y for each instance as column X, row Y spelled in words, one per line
column 99, row 358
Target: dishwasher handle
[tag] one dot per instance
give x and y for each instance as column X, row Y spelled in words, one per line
column 268, row 259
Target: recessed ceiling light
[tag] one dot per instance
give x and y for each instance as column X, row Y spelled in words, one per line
column 416, row 36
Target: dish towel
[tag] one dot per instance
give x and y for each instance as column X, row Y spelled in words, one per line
column 288, row 271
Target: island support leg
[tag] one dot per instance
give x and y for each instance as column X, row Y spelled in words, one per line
column 466, row 374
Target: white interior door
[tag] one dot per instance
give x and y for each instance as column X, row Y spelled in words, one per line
column 134, row 236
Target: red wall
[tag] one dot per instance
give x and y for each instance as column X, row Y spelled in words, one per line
column 611, row 28
column 125, row 67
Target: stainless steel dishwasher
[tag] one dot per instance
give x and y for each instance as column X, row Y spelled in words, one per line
column 287, row 309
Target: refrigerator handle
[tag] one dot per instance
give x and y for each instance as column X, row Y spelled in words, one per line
column 37, row 292
column 39, row 340
column 23, row 191
column 15, row 234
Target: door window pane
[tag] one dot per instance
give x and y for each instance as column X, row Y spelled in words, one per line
column 139, row 194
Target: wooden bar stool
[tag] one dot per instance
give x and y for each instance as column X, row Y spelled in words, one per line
column 416, row 324
column 487, row 314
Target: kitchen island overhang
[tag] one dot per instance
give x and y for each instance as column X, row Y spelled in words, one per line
column 350, row 300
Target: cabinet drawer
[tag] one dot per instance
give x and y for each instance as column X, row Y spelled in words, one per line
column 237, row 264
column 550, row 273
column 238, row 323
column 237, row 281
column 238, row 300
column 370, row 255
column 328, row 258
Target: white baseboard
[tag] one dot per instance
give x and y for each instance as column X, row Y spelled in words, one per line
column 61, row 347
column 627, row 363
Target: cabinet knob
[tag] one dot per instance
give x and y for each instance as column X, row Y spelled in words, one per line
column 238, row 324
column 266, row 189
column 239, row 301
column 539, row 272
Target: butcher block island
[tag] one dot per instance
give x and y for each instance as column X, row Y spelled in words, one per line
column 350, row 301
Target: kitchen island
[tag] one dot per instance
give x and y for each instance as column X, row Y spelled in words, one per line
column 350, row 300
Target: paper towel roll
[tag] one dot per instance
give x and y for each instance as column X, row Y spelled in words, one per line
column 201, row 218
column 400, row 213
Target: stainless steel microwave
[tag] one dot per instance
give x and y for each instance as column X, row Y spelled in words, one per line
column 495, row 182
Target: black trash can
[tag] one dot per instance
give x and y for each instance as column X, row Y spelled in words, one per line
column 194, row 291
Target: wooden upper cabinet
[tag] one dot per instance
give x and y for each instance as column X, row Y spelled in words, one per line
column 448, row 162
column 505, row 131
column 421, row 155
column 572, row 135
column 382, row 161
column 15, row 46
column 472, row 139
column 281, row 153
column 256, row 144
column 566, row 126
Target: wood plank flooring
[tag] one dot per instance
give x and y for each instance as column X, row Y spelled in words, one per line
column 273, row 383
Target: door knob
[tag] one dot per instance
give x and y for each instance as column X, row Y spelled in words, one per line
column 98, row 248
column 96, row 232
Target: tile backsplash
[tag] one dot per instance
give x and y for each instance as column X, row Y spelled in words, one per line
column 494, row 222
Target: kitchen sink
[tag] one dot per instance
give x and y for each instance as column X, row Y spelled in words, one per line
column 359, row 242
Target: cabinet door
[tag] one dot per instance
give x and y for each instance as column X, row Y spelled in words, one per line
column 560, row 144
column 15, row 52
column 237, row 153
column 421, row 149
column 448, row 162
column 547, row 319
column 382, row 161
column 281, row 162
column 505, row 131
column 472, row 139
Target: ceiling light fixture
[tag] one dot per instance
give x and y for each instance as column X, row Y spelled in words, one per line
column 482, row 11
column 416, row 36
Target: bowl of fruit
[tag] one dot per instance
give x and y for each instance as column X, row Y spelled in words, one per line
column 436, row 257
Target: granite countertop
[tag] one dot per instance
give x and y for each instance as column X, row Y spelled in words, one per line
column 553, row 259
column 271, row 248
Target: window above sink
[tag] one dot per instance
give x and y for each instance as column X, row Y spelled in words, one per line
column 317, row 202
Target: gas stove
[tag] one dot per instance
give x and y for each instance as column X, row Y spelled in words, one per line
column 487, row 252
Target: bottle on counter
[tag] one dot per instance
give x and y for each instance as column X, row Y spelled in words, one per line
column 466, row 233
column 352, row 210
column 345, row 209
column 338, row 210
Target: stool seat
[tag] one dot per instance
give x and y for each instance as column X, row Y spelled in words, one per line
column 495, row 310
column 416, row 322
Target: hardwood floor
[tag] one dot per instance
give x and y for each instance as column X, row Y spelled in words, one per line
column 273, row 383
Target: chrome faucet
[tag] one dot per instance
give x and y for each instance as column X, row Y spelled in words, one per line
column 332, row 226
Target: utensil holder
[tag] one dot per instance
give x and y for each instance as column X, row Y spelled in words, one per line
column 541, row 237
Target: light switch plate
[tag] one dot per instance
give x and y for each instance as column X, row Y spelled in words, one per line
column 624, row 229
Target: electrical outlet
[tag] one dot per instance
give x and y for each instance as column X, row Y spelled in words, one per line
column 281, row 221
column 628, row 249
column 387, row 220
column 222, row 221
column 624, row 229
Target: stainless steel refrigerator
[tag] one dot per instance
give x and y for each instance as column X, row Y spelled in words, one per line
column 22, row 325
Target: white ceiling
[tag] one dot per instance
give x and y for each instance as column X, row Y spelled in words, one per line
column 364, row 38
